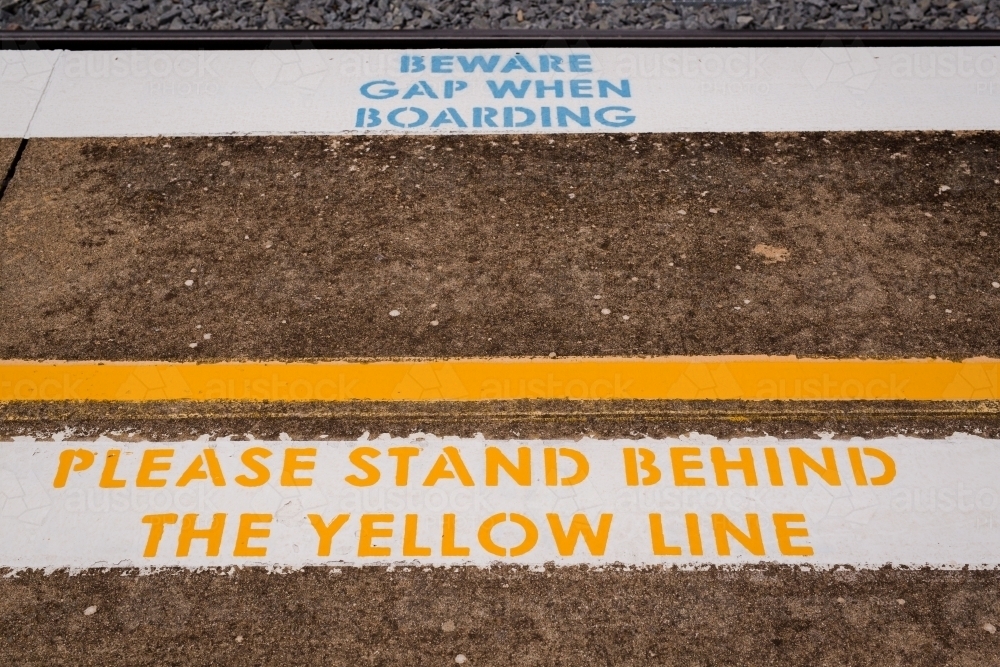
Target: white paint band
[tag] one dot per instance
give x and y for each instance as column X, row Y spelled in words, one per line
column 690, row 501
column 277, row 92
column 23, row 77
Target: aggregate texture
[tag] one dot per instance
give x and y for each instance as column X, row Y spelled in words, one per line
column 502, row 616
column 498, row 14
column 8, row 149
column 863, row 245
column 533, row 419
column 814, row 244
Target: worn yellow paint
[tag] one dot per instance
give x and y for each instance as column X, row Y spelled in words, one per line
column 682, row 378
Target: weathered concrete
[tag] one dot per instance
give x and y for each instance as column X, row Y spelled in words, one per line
column 300, row 247
column 498, row 419
column 8, row 149
column 503, row 616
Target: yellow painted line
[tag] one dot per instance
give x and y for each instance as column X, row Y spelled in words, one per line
column 664, row 378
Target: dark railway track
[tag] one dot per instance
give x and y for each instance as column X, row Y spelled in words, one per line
column 398, row 39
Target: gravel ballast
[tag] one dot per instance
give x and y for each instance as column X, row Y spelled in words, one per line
column 494, row 14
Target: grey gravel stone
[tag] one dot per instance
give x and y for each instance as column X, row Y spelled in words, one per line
column 500, row 14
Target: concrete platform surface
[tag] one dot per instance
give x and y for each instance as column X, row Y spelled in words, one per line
column 502, row 616
column 179, row 420
column 835, row 245
column 869, row 245
column 8, row 149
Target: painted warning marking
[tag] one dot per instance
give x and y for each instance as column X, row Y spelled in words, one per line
column 664, row 378
column 426, row 500
column 494, row 91
column 23, row 77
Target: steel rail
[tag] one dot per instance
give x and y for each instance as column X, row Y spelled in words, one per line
column 522, row 38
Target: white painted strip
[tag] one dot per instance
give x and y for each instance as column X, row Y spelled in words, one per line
column 23, row 75
column 426, row 500
column 150, row 93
